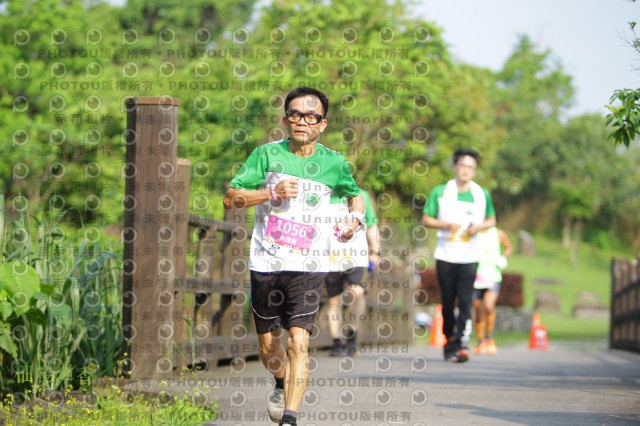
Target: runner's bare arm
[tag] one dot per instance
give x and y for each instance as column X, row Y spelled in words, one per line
column 486, row 224
column 350, row 224
column 239, row 198
column 505, row 243
column 432, row 222
column 373, row 240
column 356, row 204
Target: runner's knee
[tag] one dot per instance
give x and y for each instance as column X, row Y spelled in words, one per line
column 357, row 289
column 333, row 302
column 269, row 348
column 298, row 344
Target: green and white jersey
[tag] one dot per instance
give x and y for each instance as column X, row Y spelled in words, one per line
column 464, row 208
column 293, row 234
column 354, row 253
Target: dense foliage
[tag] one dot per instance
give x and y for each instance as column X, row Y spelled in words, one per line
column 401, row 106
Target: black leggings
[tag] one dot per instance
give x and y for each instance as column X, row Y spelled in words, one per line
column 456, row 280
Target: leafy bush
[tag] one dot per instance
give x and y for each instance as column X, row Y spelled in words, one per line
column 60, row 327
column 60, row 306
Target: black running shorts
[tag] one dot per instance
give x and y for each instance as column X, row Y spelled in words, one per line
column 478, row 293
column 334, row 280
column 285, row 299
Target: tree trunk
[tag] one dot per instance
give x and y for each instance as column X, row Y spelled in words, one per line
column 577, row 234
column 566, row 233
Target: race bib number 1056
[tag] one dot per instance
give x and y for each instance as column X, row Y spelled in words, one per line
column 287, row 233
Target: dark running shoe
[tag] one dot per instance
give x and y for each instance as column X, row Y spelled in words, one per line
column 451, row 348
column 337, row 349
column 352, row 346
column 461, row 356
column 288, row 421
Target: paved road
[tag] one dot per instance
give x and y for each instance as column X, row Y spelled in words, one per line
column 570, row 384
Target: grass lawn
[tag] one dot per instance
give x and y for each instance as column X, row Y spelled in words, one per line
column 560, row 328
column 592, row 273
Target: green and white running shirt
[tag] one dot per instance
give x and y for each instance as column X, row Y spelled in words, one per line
column 461, row 208
column 293, row 234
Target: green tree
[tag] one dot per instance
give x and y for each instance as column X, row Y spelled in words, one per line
column 400, row 106
column 65, row 72
column 592, row 183
column 608, row 176
column 624, row 117
column 577, row 202
column 194, row 22
column 532, row 91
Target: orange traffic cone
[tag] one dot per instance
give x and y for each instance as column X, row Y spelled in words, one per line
column 538, row 338
column 437, row 338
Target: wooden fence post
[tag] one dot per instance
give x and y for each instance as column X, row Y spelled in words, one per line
column 149, row 236
column 181, row 198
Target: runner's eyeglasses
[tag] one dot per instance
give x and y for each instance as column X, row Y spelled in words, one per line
column 294, row 116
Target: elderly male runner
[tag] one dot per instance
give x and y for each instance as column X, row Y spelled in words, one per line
column 290, row 183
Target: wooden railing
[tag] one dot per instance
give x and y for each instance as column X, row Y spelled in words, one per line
column 216, row 292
